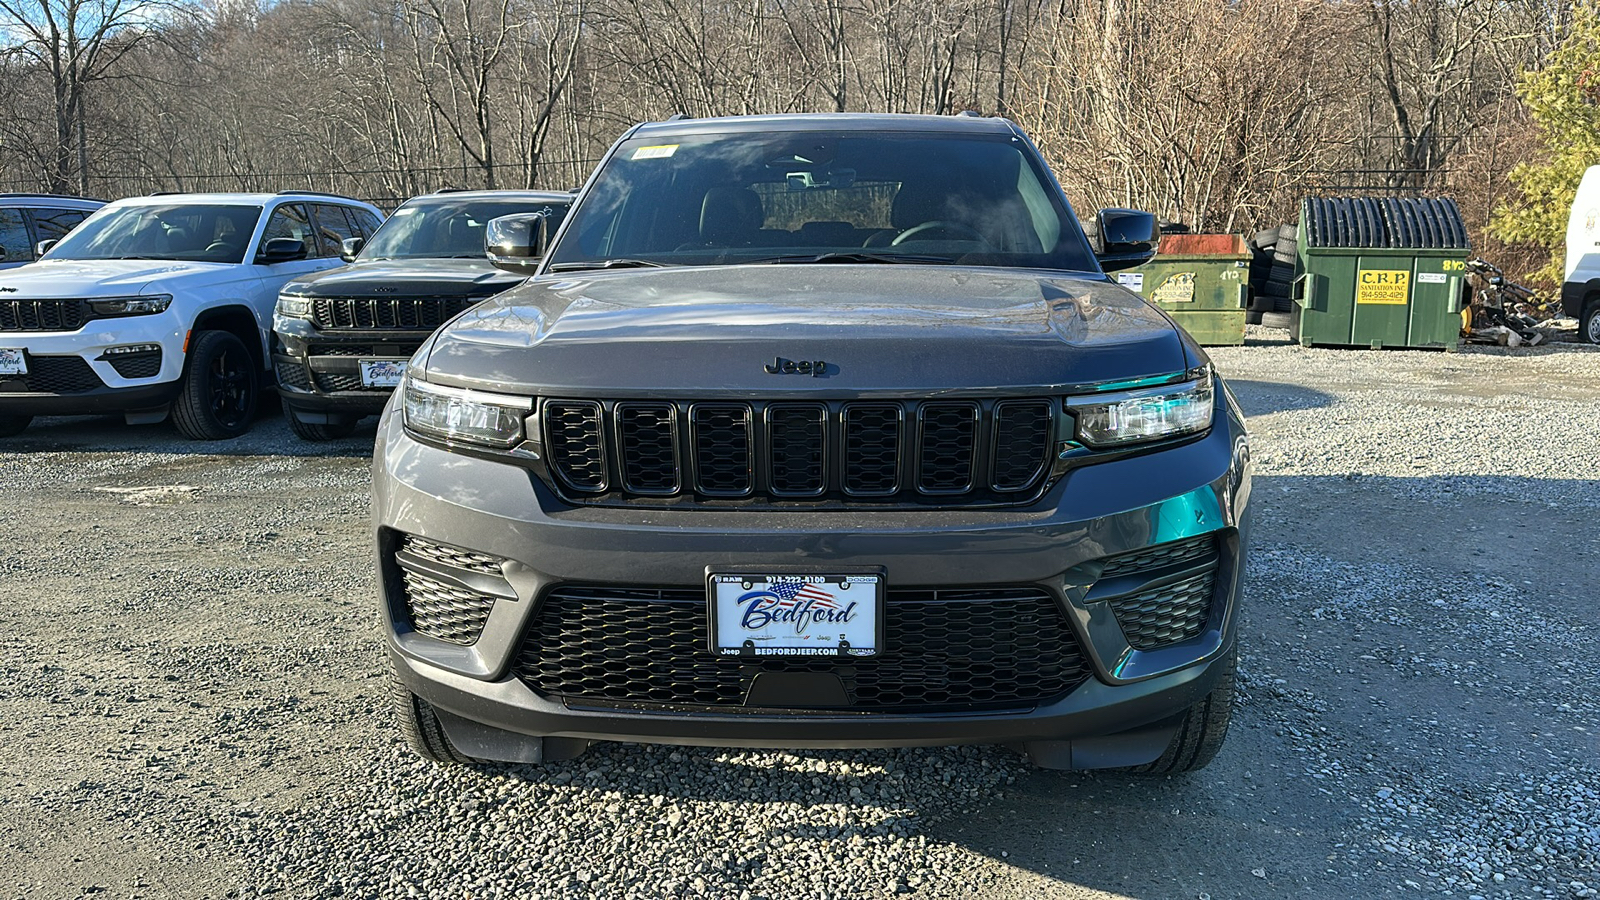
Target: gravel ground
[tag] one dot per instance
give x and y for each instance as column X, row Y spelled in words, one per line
column 193, row 702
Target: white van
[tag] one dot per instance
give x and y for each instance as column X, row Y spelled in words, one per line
column 1580, row 290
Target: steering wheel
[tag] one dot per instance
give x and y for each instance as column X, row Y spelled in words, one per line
column 950, row 231
column 218, row 247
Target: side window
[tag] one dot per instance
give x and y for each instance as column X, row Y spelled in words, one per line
column 369, row 222
column 14, row 243
column 333, row 226
column 53, row 224
column 290, row 221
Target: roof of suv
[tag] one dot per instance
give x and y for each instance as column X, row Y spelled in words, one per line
column 833, row 122
column 52, row 199
column 535, row 196
column 254, row 198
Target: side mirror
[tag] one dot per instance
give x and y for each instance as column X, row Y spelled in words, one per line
column 1127, row 238
column 280, row 250
column 517, row 242
column 349, row 248
column 44, row 246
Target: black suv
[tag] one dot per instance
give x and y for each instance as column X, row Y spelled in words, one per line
column 341, row 337
column 816, row 431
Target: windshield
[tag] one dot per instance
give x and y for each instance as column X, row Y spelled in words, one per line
column 177, row 232
column 439, row 229
column 820, row 196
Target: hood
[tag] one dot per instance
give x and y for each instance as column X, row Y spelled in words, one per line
column 408, row 277
column 880, row 329
column 89, row 278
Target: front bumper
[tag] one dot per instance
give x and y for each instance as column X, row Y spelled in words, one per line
column 72, row 374
column 1131, row 699
column 319, row 372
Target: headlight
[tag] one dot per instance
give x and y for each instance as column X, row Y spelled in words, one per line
column 294, row 307
column 131, row 306
column 1145, row 415
column 454, row 414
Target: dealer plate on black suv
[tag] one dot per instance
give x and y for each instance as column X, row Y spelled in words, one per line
column 795, row 615
column 382, row 372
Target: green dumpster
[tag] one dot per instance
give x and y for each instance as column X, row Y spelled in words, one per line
column 1379, row 272
column 1202, row 281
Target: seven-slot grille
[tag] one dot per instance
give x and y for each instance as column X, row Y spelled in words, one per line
column 870, row 450
column 379, row 313
column 43, row 315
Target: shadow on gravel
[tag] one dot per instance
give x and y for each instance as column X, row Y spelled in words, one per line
column 1259, row 398
column 268, row 436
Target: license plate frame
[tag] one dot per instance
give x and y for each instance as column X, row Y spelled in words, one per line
column 13, row 361
column 785, row 622
column 382, row 372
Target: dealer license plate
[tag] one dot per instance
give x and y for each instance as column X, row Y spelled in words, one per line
column 795, row 615
column 13, row 362
column 382, row 372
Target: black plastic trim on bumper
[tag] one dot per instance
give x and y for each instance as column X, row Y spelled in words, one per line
column 1095, row 709
column 89, row 403
column 1573, row 294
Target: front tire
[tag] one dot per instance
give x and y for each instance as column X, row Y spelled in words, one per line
column 1589, row 325
column 423, row 733
column 219, row 394
column 1204, row 728
column 13, row 425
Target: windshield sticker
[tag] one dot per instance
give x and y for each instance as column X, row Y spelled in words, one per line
column 660, row 152
column 404, row 212
column 1133, row 281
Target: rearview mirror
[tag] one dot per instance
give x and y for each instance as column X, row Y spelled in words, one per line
column 517, row 242
column 1127, row 238
column 280, row 250
column 349, row 248
column 44, row 246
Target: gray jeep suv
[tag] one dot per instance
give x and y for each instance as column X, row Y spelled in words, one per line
column 815, row 431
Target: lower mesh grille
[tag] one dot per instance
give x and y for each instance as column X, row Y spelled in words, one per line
column 945, row 651
column 331, row 382
column 447, row 610
column 1173, row 602
column 137, row 365
column 444, row 611
column 1167, row 615
column 293, row 375
column 56, row 375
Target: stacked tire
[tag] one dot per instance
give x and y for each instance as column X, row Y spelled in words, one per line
column 1275, row 254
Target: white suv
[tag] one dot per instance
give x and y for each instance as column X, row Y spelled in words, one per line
column 163, row 303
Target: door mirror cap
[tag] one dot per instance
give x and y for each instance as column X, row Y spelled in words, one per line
column 349, row 248
column 280, row 250
column 1127, row 238
column 517, row 242
column 43, row 247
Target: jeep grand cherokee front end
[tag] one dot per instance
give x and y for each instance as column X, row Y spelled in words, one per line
column 1002, row 501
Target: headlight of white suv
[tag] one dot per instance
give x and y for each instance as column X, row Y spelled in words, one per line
column 1128, row 417
column 131, row 306
column 470, row 417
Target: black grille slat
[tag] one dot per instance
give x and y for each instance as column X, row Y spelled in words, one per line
column 872, row 436
column 387, row 313
column 293, row 374
column 946, row 447
column 43, row 315
column 573, row 435
column 56, row 375
column 945, row 651
column 722, row 449
column 1171, row 553
column 1021, row 443
column 797, row 437
column 648, row 436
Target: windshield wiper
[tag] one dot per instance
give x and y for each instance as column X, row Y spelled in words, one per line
column 619, row 263
column 851, row 257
